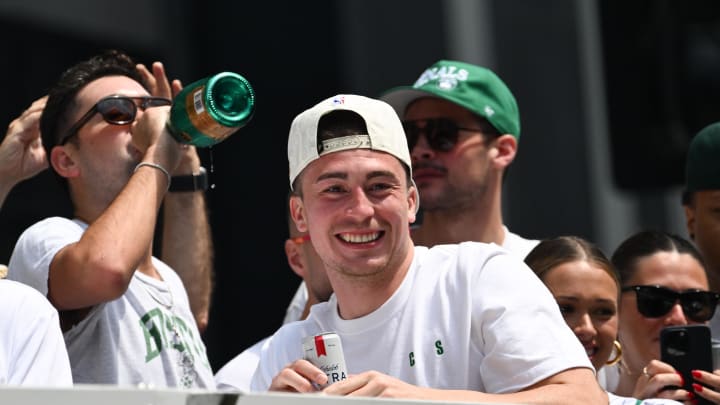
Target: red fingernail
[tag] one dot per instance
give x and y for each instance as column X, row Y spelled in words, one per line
column 697, row 387
column 682, row 379
column 696, row 374
column 691, row 395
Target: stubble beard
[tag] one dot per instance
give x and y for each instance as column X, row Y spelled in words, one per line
column 452, row 198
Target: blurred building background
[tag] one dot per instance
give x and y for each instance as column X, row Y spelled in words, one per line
column 610, row 93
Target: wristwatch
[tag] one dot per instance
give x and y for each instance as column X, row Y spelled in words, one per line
column 190, row 182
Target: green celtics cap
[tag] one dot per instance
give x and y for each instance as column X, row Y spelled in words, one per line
column 703, row 160
column 473, row 87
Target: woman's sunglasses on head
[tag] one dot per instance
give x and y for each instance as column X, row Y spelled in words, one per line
column 654, row 301
column 441, row 133
column 116, row 110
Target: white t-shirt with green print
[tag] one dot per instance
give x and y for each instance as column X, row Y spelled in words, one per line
column 468, row 316
column 146, row 337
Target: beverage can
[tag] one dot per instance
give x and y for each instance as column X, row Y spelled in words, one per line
column 325, row 351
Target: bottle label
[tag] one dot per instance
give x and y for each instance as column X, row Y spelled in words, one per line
column 203, row 122
column 198, row 101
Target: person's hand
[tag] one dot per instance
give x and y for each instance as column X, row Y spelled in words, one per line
column 21, row 152
column 157, row 81
column 375, row 384
column 657, row 376
column 707, row 385
column 298, row 376
column 149, row 135
column 160, row 86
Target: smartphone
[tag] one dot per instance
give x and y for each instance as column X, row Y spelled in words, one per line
column 687, row 348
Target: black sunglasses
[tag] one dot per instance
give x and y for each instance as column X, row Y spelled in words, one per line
column 654, row 301
column 116, row 110
column 441, row 133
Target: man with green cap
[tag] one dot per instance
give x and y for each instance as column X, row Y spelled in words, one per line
column 462, row 124
column 701, row 201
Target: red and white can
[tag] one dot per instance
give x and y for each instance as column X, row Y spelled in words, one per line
column 325, row 351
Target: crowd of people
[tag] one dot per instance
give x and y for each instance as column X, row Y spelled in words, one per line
column 465, row 309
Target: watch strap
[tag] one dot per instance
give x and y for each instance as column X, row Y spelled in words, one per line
column 190, row 182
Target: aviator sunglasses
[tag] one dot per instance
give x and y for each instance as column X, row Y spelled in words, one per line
column 654, row 301
column 441, row 133
column 116, row 110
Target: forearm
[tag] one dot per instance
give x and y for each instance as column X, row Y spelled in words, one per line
column 574, row 386
column 101, row 264
column 127, row 226
column 187, row 248
column 547, row 395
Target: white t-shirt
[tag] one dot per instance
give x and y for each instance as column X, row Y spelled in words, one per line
column 32, row 350
column 297, row 304
column 609, row 377
column 616, row 400
column 518, row 245
column 457, row 321
column 237, row 373
column 148, row 336
column 514, row 243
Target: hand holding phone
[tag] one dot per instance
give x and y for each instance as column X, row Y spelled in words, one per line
column 687, row 348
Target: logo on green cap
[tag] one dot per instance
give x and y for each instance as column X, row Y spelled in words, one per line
column 447, row 77
column 472, row 87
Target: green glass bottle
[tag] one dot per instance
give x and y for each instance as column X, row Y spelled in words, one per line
column 208, row 111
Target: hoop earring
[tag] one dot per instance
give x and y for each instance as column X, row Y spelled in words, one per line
column 618, row 354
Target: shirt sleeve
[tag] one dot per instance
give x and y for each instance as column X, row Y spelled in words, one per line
column 519, row 327
column 37, row 353
column 36, row 248
column 279, row 350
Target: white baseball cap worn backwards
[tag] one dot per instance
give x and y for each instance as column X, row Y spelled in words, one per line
column 385, row 132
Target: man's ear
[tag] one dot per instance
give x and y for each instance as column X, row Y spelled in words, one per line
column 503, row 150
column 63, row 162
column 690, row 220
column 413, row 203
column 297, row 213
column 295, row 258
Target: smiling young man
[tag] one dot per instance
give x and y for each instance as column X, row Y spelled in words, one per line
column 443, row 323
column 125, row 314
column 463, row 126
